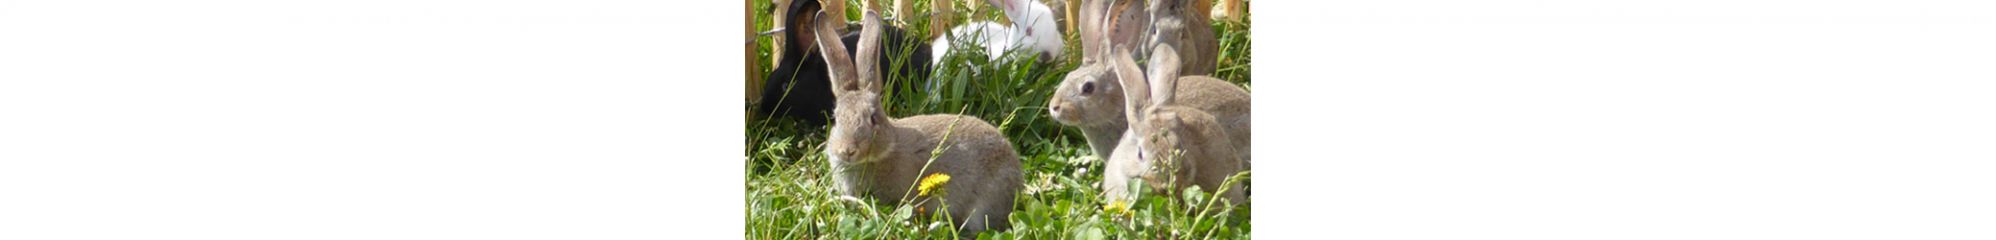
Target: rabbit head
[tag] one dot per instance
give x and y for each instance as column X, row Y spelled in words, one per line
column 1165, row 26
column 1187, row 29
column 1091, row 96
column 856, row 85
column 801, row 26
column 1176, row 146
column 1088, row 96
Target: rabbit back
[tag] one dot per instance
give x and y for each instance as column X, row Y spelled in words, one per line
column 983, row 167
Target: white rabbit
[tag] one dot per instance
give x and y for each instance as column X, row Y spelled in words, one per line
column 1032, row 28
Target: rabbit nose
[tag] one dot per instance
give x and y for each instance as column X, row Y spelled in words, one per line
column 1056, row 108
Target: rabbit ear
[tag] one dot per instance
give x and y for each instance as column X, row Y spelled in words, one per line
column 842, row 76
column 1089, row 21
column 1163, row 74
column 1136, row 92
column 1127, row 23
column 1099, row 30
column 836, row 10
column 868, row 57
column 1106, row 54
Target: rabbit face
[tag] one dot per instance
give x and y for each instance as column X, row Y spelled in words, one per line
column 1089, row 96
column 1117, row 173
column 1153, row 157
column 853, row 137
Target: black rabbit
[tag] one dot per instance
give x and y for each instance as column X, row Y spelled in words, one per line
column 799, row 87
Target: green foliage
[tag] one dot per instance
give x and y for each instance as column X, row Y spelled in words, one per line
column 791, row 195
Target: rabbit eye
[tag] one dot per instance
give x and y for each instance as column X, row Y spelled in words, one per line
column 1088, row 88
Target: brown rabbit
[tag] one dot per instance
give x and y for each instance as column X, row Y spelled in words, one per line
column 1091, row 98
column 883, row 158
column 1175, row 146
column 1186, row 27
column 1147, row 23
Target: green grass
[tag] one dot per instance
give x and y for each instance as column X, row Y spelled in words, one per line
column 790, row 194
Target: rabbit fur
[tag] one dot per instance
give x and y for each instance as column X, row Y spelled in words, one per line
column 873, row 155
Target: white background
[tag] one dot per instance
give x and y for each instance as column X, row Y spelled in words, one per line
column 1629, row 119
column 435, row 119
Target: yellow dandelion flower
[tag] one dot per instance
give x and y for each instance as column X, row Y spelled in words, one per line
column 932, row 182
column 1116, row 207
